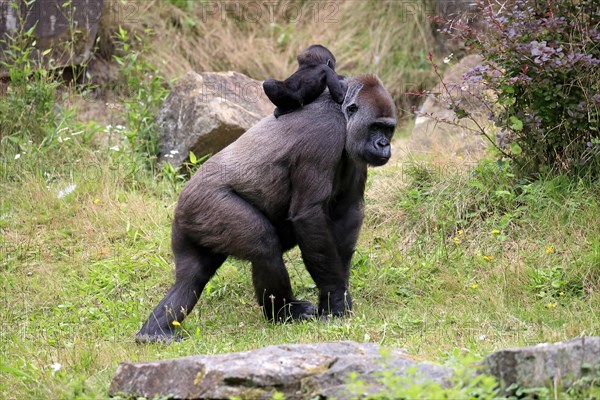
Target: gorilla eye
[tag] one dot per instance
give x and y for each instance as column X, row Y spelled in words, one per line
column 352, row 108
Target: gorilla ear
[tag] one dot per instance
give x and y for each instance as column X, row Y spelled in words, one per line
column 349, row 106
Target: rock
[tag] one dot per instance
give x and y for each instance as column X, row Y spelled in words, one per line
column 545, row 365
column 439, row 130
column 67, row 27
column 205, row 112
column 299, row 371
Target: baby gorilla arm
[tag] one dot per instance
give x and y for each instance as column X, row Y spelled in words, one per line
column 337, row 88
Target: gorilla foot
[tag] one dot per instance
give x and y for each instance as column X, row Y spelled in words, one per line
column 335, row 304
column 293, row 311
column 163, row 337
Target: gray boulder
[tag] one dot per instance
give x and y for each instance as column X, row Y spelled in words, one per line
column 545, row 365
column 207, row 111
column 439, row 130
column 67, row 27
column 299, row 371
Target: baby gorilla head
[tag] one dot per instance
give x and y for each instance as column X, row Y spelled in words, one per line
column 315, row 55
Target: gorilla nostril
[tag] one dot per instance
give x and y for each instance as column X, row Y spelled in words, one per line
column 381, row 143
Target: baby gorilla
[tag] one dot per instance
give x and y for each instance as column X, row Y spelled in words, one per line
column 316, row 69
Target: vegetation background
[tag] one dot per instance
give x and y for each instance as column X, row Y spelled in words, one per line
column 455, row 259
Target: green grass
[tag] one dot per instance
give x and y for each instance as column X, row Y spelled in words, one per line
column 81, row 273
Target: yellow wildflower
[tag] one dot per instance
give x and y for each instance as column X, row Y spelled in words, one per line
column 96, row 200
column 474, row 286
column 175, row 323
column 460, row 232
column 561, row 294
column 488, row 258
column 496, row 232
column 551, row 305
column 456, row 240
column 550, row 249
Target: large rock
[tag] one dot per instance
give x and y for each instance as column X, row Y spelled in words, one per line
column 546, row 365
column 439, row 130
column 67, row 27
column 299, row 371
column 205, row 112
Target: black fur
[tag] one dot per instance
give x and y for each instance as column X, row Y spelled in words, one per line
column 316, row 71
column 293, row 181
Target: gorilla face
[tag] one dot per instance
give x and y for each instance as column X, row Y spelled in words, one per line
column 371, row 121
column 377, row 150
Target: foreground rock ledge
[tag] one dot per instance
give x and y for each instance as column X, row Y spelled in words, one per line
column 299, row 371
column 545, row 365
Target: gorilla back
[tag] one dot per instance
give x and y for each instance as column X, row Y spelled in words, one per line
column 285, row 182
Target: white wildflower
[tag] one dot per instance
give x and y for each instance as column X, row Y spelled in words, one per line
column 55, row 367
column 114, row 148
column 66, row 191
column 17, row 156
column 174, row 152
column 449, row 58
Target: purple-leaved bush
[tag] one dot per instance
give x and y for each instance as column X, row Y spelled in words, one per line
column 542, row 59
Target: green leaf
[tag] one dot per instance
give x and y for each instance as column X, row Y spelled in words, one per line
column 508, row 89
column 515, row 148
column 193, row 158
column 516, row 124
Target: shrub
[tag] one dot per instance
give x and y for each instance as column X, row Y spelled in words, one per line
column 542, row 59
column 27, row 111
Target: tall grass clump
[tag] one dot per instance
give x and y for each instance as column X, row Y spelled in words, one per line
column 542, row 60
column 27, row 107
column 142, row 90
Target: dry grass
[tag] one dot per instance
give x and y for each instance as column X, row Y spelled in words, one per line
column 387, row 38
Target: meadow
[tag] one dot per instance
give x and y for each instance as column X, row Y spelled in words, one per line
column 455, row 259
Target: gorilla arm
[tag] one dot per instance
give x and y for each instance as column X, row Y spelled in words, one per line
column 347, row 213
column 312, row 186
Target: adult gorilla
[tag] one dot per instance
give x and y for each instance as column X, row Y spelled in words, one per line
column 298, row 179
